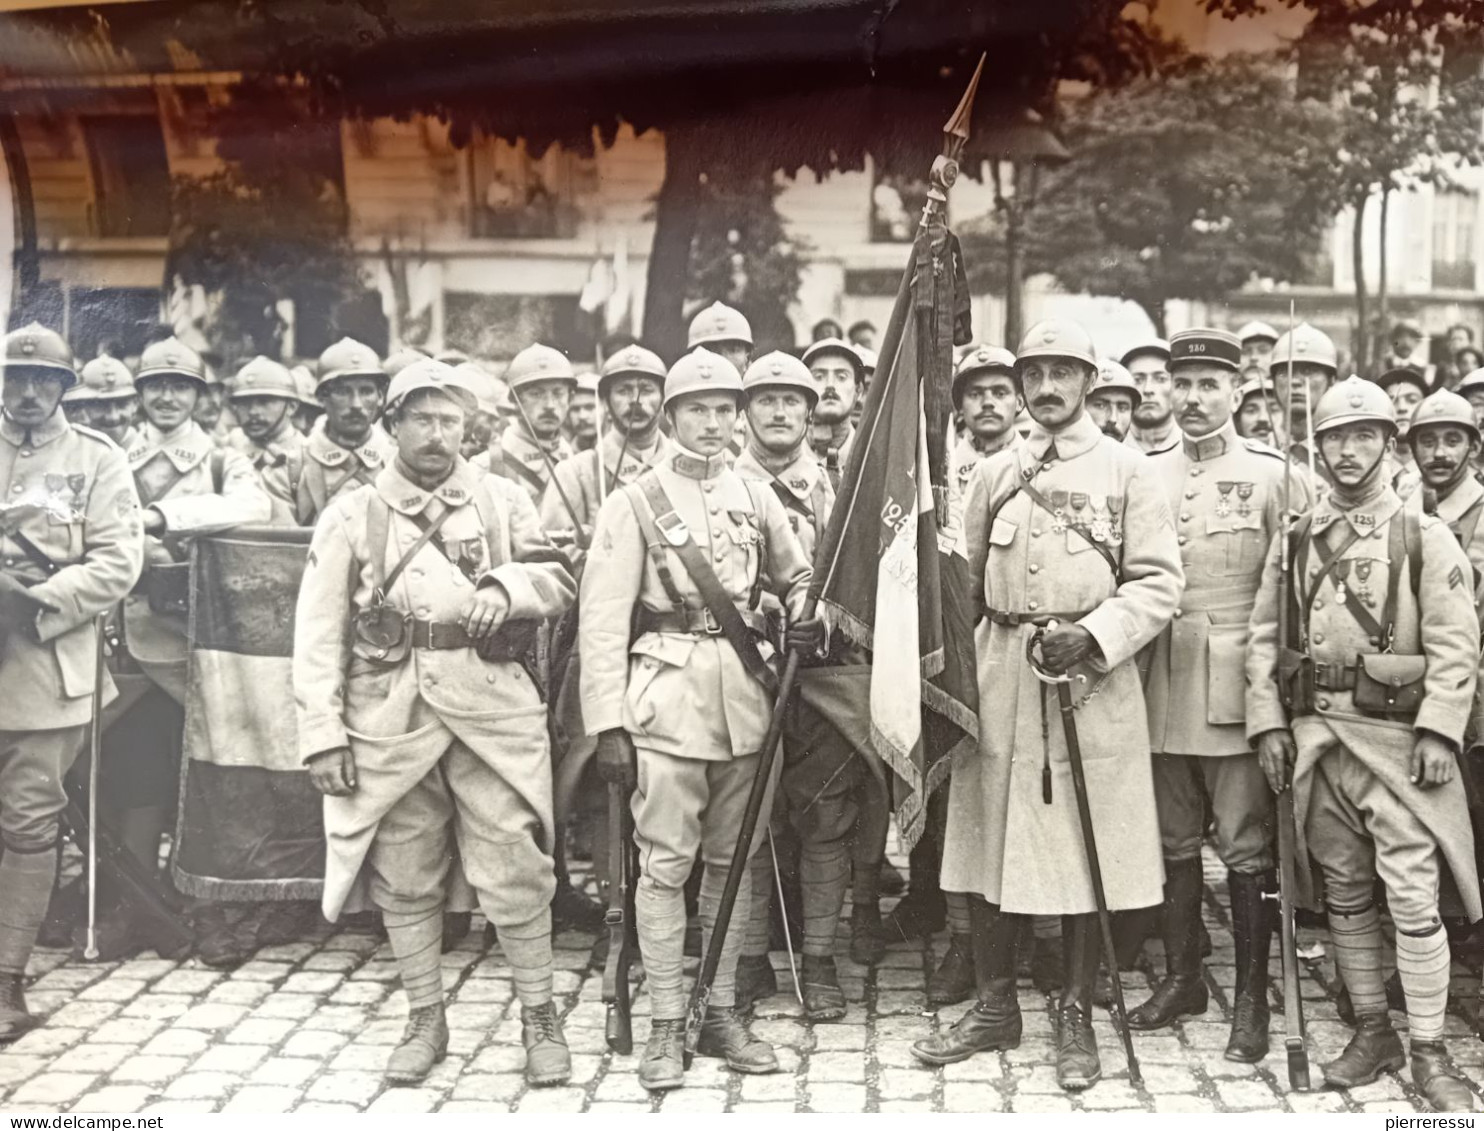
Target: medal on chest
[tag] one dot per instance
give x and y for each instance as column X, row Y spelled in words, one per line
column 1059, row 512
column 1363, row 578
column 1224, row 503
column 1244, row 493
column 1342, row 574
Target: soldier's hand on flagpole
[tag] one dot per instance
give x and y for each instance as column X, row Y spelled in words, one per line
column 618, row 761
column 1066, row 646
column 1276, row 754
column 333, row 772
column 486, row 611
column 806, row 636
column 1432, row 761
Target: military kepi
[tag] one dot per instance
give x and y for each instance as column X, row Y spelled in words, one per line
column 1200, row 344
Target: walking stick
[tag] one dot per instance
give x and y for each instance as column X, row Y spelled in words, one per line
column 95, row 748
column 1089, row 841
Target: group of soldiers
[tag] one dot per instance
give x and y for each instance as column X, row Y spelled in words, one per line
column 1256, row 583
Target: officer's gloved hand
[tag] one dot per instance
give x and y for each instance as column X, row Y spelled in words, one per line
column 1276, row 754
column 618, row 761
column 333, row 772
column 1066, row 646
column 19, row 606
column 806, row 636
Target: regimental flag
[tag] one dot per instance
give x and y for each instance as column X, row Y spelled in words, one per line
column 891, row 573
column 250, row 825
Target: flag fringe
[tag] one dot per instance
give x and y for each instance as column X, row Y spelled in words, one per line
column 944, row 704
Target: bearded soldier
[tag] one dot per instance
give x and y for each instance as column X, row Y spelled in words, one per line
column 1154, row 429
column 1228, row 497
column 104, row 400
column 841, row 376
column 1378, row 677
column 345, row 450
column 417, row 719
column 680, row 713
column 541, row 383
column 188, row 488
column 263, row 398
column 70, row 547
column 1069, row 527
column 1113, row 400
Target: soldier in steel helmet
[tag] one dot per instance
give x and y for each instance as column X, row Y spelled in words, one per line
column 722, row 330
column 1113, row 399
column 1258, row 340
column 680, row 712
column 1072, row 528
column 104, row 400
column 346, row 448
column 581, row 425
column 264, row 396
column 1362, row 711
column 418, row 719
column 70, row 548
column 986, row 397
column 1228, row 497
column 541, row 383
column 837, row 367
column 1311, row 357
column 1154, row 428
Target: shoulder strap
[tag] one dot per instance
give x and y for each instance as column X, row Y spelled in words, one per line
column 653, row 545
column 378, row 530
column 713, row 595
column 148, row 497
column 754, row 598
column 1045, row 504
column 491, row 511
column 1412, row 539
column 1468, row 524
column 218, row 470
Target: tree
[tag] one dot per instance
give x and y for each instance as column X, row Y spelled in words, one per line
column 1184, row 185
column 269, row 227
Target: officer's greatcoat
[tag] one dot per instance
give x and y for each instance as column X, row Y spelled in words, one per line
column 400, row 719
column 1227, row 496
column 88, row 524
column 1439, row 618
column 1004, row 841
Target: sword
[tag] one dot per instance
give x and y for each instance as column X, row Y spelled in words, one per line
column 1089, row 842
column 95, row 751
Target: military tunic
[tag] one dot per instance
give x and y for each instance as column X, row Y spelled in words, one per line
column 831, row 446
column 1170, row 442
column 279, row 463
column 967, row 455
column 444, row 737
column 1346, row 757
column 329, row 470
column 88, row 524
column 577, row 476
column 1227, row 494
column 518, row 457
column 1004, row 841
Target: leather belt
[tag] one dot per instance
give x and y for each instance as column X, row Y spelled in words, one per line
column 700, row 622
column 1014, row 620
column 1334, row 677
column 440, row 635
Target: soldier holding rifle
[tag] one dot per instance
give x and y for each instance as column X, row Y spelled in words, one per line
column 1070, row 526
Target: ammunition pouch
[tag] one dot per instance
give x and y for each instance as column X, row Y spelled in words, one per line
column 515, row 643
column 1388, row 684
column 167, row 588
column 1295, row 681
column 381, row 634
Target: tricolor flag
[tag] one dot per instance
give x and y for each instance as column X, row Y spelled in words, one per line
column 250, row 825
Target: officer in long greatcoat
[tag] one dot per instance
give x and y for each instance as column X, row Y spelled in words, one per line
column 681, row 711
column 1228, row 497
column 70, row 548
column 1070, row 527
column 1378, row 677
column 418, row 720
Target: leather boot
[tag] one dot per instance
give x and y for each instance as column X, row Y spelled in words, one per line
column 725, row 1034
column 1182, row 991
column 663, row 1066
column 424, row 1044
column 756, row 979
column 919, row 914
column 994, row 1021
column 867, row 936
column 953, row 980
column 1078, row 1066
column 1252, row 928
column 1440, row 1083
column 547, row 1060
column 15, row 1018
column 1374, row 1049
column 824, row 1000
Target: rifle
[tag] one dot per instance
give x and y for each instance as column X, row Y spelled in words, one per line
column 1293, row 1005
column 1063, row 684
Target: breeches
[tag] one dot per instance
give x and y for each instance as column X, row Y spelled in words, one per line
column 1240, row 801
column 32, row 765
column 821, row 780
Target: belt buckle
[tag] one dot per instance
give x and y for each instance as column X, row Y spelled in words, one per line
column 709, row 622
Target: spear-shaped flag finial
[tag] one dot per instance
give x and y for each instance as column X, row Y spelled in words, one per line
column 956, row 129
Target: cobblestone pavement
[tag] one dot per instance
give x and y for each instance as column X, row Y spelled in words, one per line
column 307, row 1027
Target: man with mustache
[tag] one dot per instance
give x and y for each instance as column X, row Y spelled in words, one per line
column 1258, row 340
column 264, row 395
column 681, row 712
column 987, row 400
column 1154, row 429
column 1445, row 443
column 104, row 400
column 1260, row 413
column 1228, row 496
column 418, row 720
column 69, row 551
column 582, row 414
column 841, row 376
column 345, row 450
column 1113, row 400
column 1070, row 527
column 541, row 384
column 188, row 487
column 1362, row 712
